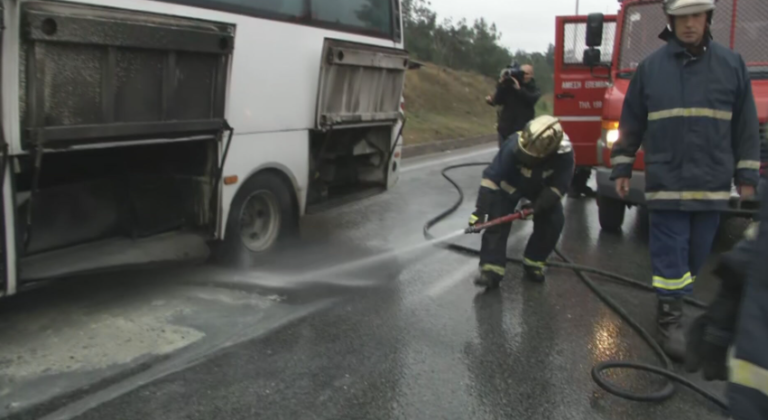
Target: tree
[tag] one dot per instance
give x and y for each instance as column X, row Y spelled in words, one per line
column 462, row 46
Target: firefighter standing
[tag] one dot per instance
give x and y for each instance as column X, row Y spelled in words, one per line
column 692, row 101
column 537, row 164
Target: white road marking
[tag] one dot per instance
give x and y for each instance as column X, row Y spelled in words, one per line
column 446, row 160
column 445, row 284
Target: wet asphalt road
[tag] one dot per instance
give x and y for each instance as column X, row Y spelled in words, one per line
column 406, row 335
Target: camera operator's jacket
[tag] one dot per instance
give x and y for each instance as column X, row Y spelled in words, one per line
column 748, row 381
column 507, row 174
column 517, row 106
column 697, row 122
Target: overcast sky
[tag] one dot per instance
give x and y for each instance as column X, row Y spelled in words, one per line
column 531, row 30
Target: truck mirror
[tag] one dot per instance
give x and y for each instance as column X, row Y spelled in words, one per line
column 591, row 57
column 595, row 29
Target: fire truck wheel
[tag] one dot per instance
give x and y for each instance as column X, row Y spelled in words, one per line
column 261, row 219
column 611, row 213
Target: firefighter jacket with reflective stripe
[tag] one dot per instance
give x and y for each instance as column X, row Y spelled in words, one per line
column 748, row 382
column 507, row 174
column 696, row 119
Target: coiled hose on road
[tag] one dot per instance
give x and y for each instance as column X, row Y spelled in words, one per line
column 580, row 270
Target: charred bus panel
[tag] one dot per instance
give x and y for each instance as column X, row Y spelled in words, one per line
column 96, row 74
column 122, row 122
column 358, row 106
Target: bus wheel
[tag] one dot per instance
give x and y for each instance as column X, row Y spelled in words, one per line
column 261, row 218
column 610, row 213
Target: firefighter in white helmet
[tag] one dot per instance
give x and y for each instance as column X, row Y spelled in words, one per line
column 690, row 105
column 535, row 164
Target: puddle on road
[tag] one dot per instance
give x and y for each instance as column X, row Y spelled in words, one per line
column 78, row 339
column 71, row 335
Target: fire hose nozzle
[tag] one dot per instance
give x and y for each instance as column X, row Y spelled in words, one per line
column 476, row 228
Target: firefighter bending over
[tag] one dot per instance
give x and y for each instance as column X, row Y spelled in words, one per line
column 537, row 164
column 691, row 107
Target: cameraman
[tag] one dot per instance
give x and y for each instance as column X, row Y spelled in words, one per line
column 517, row 100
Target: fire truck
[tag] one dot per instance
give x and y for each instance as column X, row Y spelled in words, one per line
column 591, row 78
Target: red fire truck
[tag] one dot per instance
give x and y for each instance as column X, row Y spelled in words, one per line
column 589, row 93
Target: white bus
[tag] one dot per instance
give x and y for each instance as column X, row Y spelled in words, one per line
column 146, row 131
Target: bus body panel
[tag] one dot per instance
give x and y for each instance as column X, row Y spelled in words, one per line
column 271, row 103
column 275, row 67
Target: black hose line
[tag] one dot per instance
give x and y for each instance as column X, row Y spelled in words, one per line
column 580, row 270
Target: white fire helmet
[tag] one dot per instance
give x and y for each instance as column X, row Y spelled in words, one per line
column 688, row 7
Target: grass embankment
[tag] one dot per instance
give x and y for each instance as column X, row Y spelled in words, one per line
column 445, row 104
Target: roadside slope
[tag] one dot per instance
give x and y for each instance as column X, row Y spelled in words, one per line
column 446, row 104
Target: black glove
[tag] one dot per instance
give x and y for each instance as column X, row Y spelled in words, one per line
column 527, row 205
column 545, row 201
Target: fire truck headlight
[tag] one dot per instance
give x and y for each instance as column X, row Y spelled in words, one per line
column 611, row 136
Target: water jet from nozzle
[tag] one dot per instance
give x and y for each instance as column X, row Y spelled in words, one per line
column 330, row 274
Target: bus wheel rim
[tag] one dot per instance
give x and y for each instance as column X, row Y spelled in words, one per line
column 259, row 221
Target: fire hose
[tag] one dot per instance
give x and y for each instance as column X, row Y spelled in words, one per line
column 665, row 371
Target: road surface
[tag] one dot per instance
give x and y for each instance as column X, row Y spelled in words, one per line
column 358, row 321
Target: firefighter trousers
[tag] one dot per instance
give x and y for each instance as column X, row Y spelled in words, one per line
column 547, row 227
column 680, row 242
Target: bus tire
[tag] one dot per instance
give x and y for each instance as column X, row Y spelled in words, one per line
column 610, row 213
column 262, row 218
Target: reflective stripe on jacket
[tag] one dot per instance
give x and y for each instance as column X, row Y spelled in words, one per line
column 506, row 173
column 696, row 119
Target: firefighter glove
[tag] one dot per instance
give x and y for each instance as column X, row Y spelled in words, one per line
column 527, row 206
column 547, row 199
column 477, row 217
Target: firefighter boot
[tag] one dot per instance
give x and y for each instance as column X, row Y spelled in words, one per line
column 533, row 273
column 670, row 328
column 488, row 279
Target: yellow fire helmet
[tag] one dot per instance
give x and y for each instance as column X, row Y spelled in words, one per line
column 541, row 137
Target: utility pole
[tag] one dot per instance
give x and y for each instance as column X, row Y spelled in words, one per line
column 577, row 7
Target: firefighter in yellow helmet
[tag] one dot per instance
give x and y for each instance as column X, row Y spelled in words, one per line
column 536, row 164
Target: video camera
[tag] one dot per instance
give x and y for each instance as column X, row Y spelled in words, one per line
column 513, row 71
